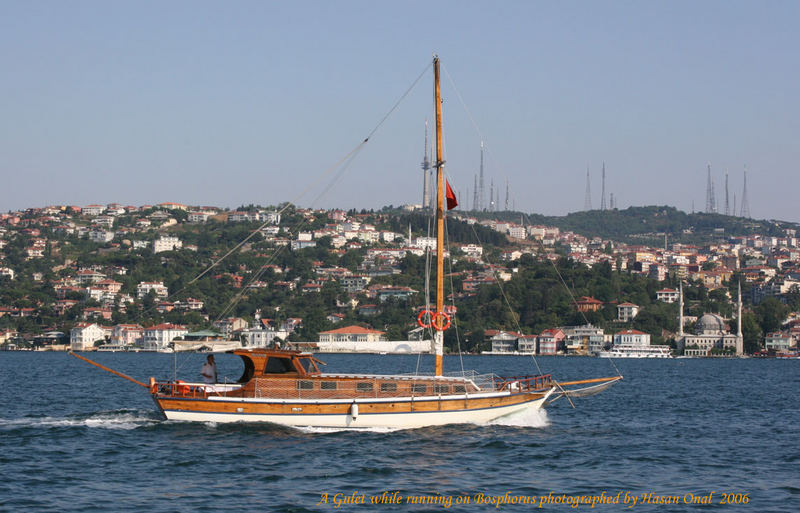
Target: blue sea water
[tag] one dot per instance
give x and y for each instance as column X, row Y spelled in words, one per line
column 75, row 438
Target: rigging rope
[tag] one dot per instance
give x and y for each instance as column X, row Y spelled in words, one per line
column 342, row 163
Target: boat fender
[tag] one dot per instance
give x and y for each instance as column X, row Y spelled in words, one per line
column 181, row 388
column 354, row 410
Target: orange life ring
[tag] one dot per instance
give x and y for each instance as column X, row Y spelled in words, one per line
column 421, row 315
column 437, row 325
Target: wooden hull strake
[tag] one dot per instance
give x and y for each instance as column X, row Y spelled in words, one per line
column 396, row 412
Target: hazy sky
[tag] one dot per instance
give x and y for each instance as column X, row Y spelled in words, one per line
column 231, row 103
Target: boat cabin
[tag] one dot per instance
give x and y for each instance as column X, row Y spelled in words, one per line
column 262, row 363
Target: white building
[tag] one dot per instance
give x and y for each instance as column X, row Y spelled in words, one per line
column 667, row 295
column 159, row 336
column 166, row 243
column 83, row 336
column 101, row 236
column 352, row 334
column 631, row 338
column 127, row 335
column 198, row 217
column 93, row 210
column 145, row 287
column 355, row 339
column 627, row 311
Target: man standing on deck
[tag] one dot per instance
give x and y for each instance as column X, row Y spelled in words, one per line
column 209, row 370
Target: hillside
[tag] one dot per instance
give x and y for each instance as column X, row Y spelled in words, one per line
column 647, row 225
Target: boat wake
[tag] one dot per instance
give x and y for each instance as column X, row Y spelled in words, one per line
column 118, row 419
column 524, row 418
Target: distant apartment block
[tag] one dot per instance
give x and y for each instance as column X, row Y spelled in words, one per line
column 627, row 311
column 166, row 243
column 145, row 287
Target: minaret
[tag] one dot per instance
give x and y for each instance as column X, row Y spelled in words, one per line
column 680, row 308
column 426, row 165
column 739, row 337
column 739, row 318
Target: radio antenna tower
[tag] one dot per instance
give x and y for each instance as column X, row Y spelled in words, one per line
column 426, row 165
column 709, row 192
column 475, row 194
column 587, row 202
column 491, row 192
column 506, row 194
column 745, row 205
column 727, row 205
column 481, row 185
column 603, row 189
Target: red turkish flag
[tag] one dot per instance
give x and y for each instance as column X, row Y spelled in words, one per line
column 450, row 196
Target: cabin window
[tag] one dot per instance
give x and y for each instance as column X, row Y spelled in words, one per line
column 441, row 389
column 306, row 363
column 364, row 387
column 459, row 389
column 305, row 385
column 419, row 389
column 388, row 387
column 328, row 385
column 278, row 366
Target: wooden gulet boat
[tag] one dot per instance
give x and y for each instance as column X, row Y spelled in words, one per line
column 287, row 387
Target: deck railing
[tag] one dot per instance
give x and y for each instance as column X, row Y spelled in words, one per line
column 181, row 389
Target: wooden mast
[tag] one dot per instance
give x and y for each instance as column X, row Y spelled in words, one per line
column 438, row 320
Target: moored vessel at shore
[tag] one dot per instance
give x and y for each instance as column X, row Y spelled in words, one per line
column 636, row 351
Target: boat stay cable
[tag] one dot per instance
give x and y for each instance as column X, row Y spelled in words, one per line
column 502, row 291
column 341, row 165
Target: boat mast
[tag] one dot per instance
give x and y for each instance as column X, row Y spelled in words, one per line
column 439, row 164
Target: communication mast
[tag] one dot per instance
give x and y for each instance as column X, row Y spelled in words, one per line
column 475, row 195
column 481, row 190
column 426, row 166
column 603, row 189
column 709, row 192
column 587, row 202
column 727, row 205
column 745, row 205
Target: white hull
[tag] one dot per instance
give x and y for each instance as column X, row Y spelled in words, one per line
column 374, row 420
column 635, row 351
column 611, row 354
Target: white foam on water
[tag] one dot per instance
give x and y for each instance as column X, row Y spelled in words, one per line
column 105, row 420
column 526, row 418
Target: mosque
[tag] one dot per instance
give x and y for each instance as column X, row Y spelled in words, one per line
column 710, row 332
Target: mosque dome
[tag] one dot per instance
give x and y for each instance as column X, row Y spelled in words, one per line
column 710, row 324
